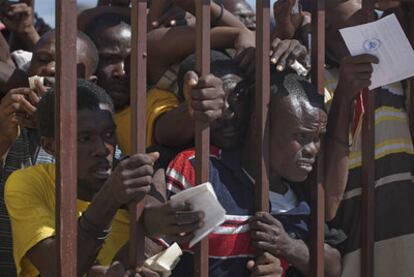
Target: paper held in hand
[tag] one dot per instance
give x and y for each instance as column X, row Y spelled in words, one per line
column 385, row 39
column 202, row 198
column 165, row 261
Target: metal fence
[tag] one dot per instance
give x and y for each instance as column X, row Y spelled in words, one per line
column 66, row 132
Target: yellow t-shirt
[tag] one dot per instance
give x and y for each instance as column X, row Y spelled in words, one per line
column 158, row 102
column 30, row 201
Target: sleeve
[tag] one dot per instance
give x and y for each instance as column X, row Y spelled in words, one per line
column 334, row 237
column 180, row 173
column 158, row 103
column 32, row 221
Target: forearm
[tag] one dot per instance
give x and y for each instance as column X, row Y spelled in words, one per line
column 336, row 154
column 169, row 46
column 299, row 257
column 226, row 19
column 175, row 128
column 30, row 37
column 99, row 214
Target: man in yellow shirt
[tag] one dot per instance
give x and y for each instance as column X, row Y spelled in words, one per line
column 102, row 191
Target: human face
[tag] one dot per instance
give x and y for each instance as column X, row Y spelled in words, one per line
column 44, row 57
column 296, row 128
column 96, row 148
column 228, row 132
column 243, row 11
column 114, row 47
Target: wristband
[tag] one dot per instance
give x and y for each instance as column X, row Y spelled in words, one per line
column 92, row 230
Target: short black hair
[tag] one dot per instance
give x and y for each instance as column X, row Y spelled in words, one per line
column 104, row 21
column 220, row 65
column 289, row 84
column 89, row 97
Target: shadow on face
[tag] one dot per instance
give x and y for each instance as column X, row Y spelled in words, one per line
column 295, row 130
column 96, row 148
column 229, row 131
column 114, row 48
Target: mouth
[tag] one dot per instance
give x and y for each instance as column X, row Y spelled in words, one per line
column 306, row 165
column 102, row 171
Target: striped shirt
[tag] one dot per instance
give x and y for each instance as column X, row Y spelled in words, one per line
column 394, row 191
column 24, row 152
column 230, row 243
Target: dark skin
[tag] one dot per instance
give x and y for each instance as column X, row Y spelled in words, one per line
column 18, row 18
column 108, row 189
column 243, row 11
column 293, row 152
column 18, row 106
column 114, row 48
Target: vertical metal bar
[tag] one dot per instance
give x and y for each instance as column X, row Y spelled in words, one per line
column 202, row 130
column 262, row 104
column 368, row 171
column 411, row 38
column 66, row 137
column 317, row 260
column 138, row 104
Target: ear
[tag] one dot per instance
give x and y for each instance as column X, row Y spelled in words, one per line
column 48, row 144
column 93, row 79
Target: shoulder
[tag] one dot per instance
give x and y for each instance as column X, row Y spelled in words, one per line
column 31, row 180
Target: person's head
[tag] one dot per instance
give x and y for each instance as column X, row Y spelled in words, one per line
column 111, row 34
column 228, row 132
column 341, row 15
column 242, row 10
column 95, row 134
column 44, row 56
column 297, row 121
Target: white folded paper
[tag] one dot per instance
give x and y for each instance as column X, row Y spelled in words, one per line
column 32, row 80
column 385, row 39
column 202, row 198
column 165, row 261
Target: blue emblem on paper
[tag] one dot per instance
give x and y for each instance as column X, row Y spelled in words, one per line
column 372, row 44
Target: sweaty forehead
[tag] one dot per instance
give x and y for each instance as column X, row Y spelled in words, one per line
column 113, row 36
column 46, row 43
column 293, row 112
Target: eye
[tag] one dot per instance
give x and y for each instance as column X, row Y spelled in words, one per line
column 110, row 134
column 302, row 138
column 84, row 138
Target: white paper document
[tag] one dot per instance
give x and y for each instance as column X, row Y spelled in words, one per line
column 202, row 198
column 385, row 39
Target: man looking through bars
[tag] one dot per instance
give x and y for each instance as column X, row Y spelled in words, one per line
column 103, row 190
column 19, row 141
column 293, row 153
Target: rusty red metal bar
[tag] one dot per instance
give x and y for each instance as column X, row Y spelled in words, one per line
column 202, row 130
column 411, row 37
column 317, row 260
column 138, row 81
column 66, row 139
column 262, row 104
column 368, row 171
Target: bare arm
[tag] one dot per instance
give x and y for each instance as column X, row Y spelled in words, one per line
column 130, row 180
column 355, row 74
column 167, row 46
column 227, row 19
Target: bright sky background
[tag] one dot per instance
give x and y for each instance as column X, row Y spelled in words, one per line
column 46, row 8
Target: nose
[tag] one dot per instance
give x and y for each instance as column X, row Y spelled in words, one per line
column 118, row 71
column 311, row 149
column 49, row 70
column 102, row 148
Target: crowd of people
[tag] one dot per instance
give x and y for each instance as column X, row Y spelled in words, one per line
column 303, row 125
